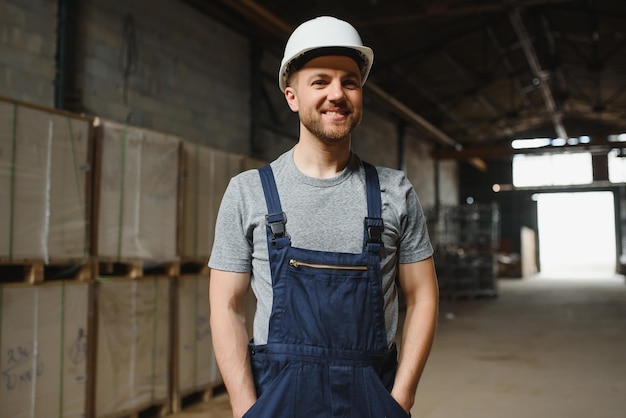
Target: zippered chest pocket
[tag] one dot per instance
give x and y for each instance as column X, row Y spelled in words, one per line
column 325, row 267
column 330, row 304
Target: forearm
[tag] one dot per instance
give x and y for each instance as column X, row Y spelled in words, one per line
column 417, row 337
column 418, row 334
column 230, row 343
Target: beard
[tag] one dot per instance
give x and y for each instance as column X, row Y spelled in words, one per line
column 330, row 132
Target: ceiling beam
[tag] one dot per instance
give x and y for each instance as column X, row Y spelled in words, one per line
column 410, row 116
column 443, row 107
column 418, row 121
column 254, row 12
column 538, row 72
column 517, row 82
column 500, row 129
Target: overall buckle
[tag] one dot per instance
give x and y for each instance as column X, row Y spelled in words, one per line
column 276, row 222
column 375, row 230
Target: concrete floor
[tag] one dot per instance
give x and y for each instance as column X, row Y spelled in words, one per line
column 545, row 348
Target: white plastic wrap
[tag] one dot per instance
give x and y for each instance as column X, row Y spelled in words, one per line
column 195, row 365
column 132, row 360
column 138, row 194
column 44, row 168
column 43, row 343
column 206, row 174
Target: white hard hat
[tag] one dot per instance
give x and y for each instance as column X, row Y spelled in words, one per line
column 324, row 35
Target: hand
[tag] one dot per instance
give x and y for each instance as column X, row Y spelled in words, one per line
column 404, row 401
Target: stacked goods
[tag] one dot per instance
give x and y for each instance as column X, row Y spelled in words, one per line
column 152, row 201
column 137, row 194
column 206, row 174
column 196, row 368
column 44, row 176
column 43, row 341
column 133, row 348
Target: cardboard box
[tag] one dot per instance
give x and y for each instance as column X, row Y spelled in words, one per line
column 44, row 183
column 43, row 341
column 133, row 350
column 196, row 368
column 137, row 193
column 206, row 174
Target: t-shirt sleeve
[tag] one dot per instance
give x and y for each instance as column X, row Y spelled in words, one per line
column 231, row 249
column 415, row 242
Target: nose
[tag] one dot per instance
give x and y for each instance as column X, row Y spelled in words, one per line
column 336, row 91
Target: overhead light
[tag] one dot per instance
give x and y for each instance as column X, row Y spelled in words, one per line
column 559, row 142
column 530, row 143
column 501, row 187
column 617, row 138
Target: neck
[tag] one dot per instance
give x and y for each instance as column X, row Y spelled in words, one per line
column 321, row 160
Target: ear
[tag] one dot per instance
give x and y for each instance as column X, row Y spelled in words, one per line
column 292, row 99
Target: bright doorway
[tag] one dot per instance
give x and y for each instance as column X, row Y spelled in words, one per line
column 576, row 234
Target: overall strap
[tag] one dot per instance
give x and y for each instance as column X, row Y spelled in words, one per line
column 373, row 222
column 275, row 218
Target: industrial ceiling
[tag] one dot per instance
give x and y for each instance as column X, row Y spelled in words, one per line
column 474, row 75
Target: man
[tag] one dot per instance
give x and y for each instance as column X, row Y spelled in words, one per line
column 322, row 236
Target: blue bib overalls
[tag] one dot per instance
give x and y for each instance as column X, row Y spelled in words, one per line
column 327, row 354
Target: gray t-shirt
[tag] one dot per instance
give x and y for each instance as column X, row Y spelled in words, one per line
column 324, row 215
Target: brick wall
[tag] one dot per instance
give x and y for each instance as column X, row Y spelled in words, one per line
column 186, row 74
column 27, row 49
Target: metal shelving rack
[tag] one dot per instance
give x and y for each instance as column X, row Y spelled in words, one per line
column 465, row 239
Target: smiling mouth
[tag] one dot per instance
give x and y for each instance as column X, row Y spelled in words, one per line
column 336, row 113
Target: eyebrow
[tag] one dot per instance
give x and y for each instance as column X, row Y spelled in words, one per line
column 322, row 74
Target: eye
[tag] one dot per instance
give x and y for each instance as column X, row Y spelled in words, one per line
column 319, row 82
column 351, row 83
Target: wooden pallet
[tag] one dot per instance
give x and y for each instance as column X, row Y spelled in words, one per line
column 38, row 271
column 158, row 409
column 194, row 267
column 136, row 268
column 185, row 399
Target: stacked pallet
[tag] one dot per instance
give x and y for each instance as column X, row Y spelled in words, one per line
column 135, row 252
column 43, row 341
column 108, row 231
column 45, row 173
column 206, row 173
column 136, row 194
column 195, row 370
column 133, row 346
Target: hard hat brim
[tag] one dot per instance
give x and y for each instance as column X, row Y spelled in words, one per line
column 365, row 53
